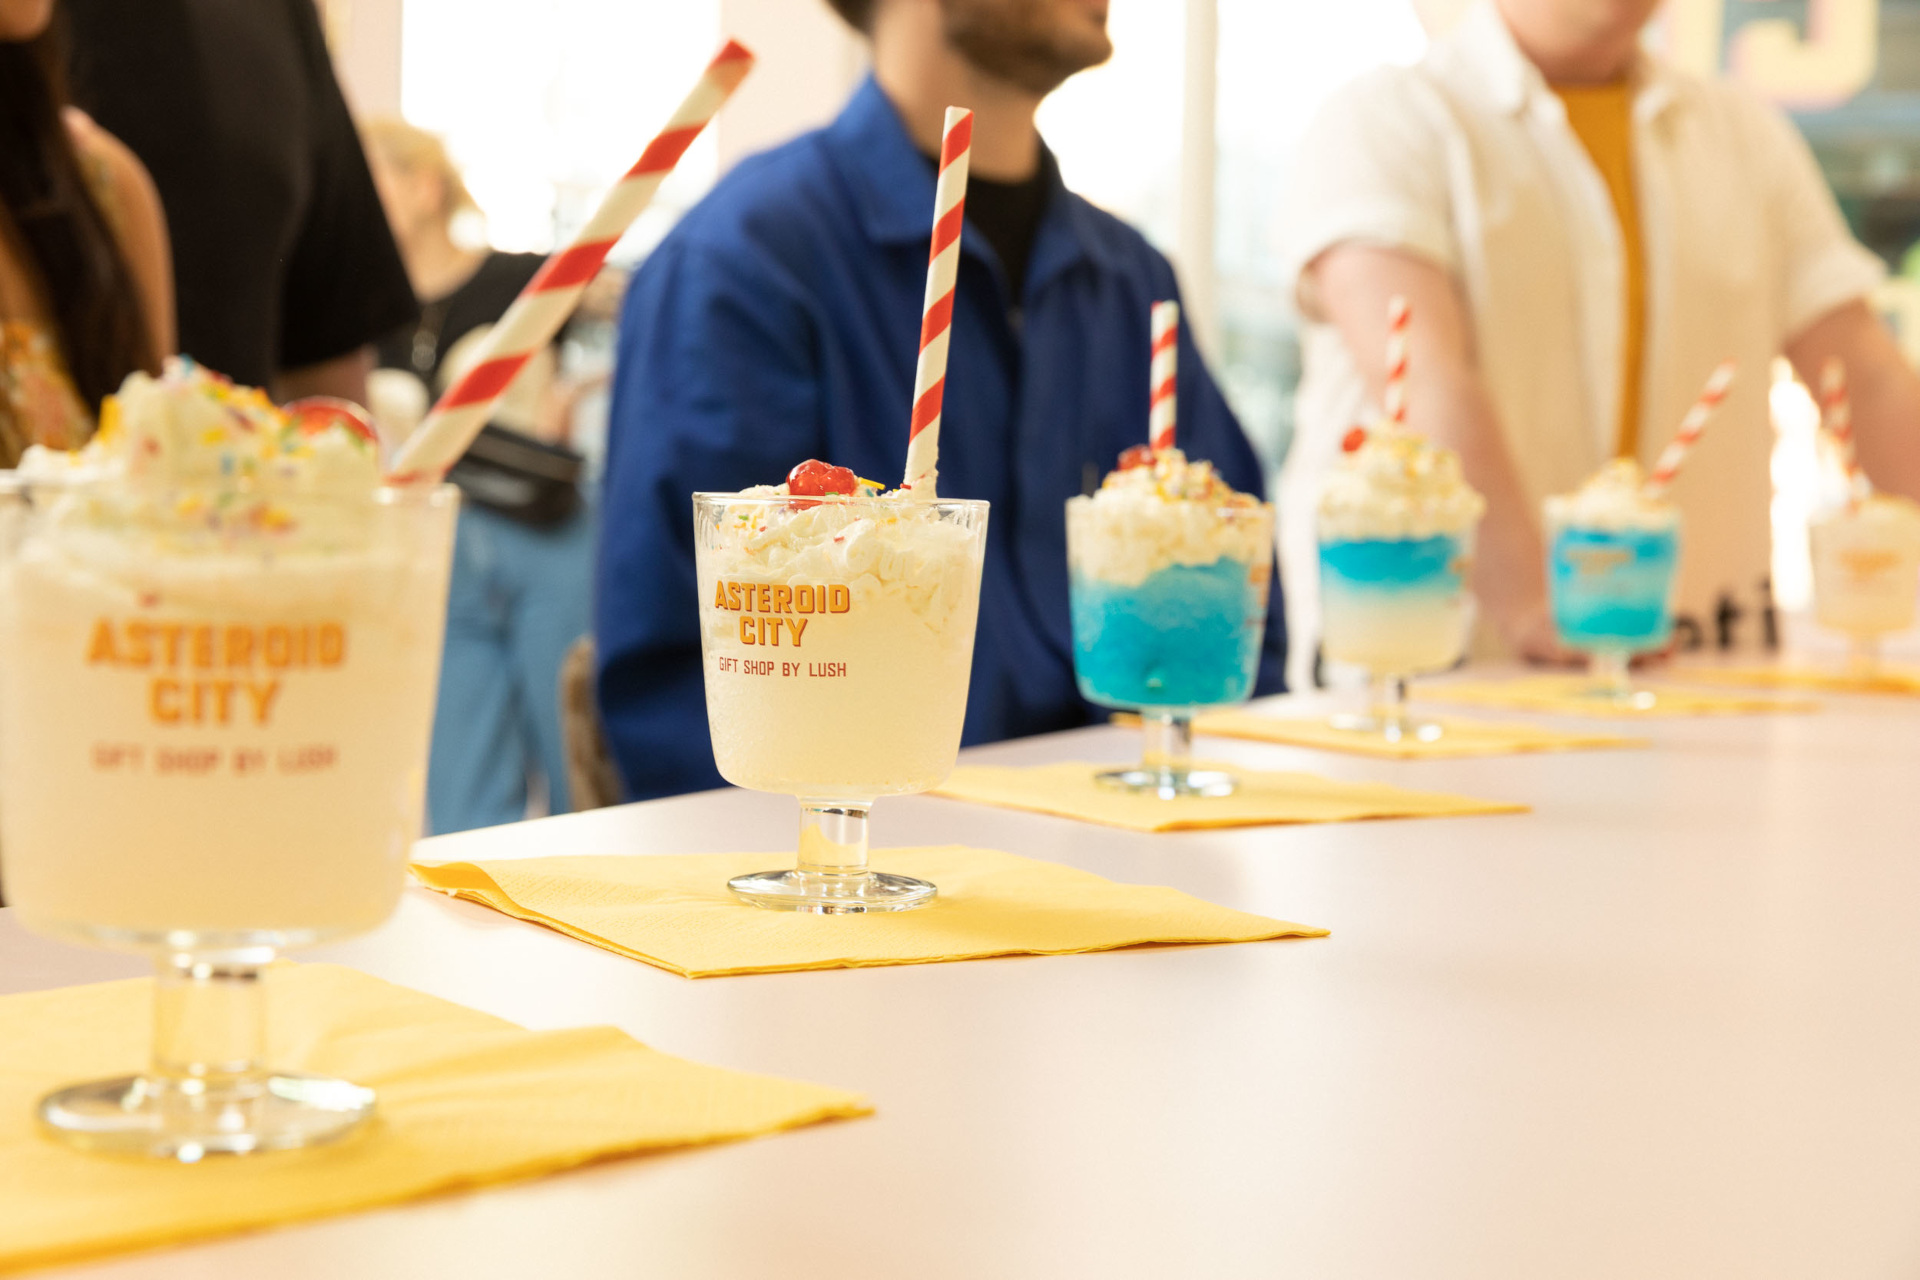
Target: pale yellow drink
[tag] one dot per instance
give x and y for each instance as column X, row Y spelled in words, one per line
column 216, row 745
column 215, row 699
column 837, row 636
column 219, row 637
column 838, row 640
column 1866, row 566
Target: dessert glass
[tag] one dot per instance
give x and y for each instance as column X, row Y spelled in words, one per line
column 213, row 736
column 1180, row 639
column 1396, row 523
column 1397, row 607
column 837, row 638
column 1611, row 588
column 1866, row 573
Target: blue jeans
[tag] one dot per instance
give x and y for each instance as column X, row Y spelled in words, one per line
column 519, row 598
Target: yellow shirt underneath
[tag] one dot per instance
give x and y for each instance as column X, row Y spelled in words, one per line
column 1601, row 116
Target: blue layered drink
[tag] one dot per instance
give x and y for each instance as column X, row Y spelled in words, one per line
column 1396, row 605
column 1613, row 551
column 1169, row 569
column 1396, row 523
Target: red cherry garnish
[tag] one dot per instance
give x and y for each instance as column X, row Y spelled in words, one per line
column 315, row 414
column 815, row 479
column 1353, row 440
column 1139, row 455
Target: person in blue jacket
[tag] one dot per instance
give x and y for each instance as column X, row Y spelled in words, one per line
column 780, row 321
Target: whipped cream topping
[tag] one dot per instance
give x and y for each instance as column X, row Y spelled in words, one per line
column 889, row 545
column 191, row 427
column 1396, row 485
column 189, row 454
column 1615, row 497
column 1886, row 513
column 1143, row 519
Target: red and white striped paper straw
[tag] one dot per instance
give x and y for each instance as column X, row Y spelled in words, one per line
column 1691, row 426
column 550, row 297
column 1394, row 399
column 936, row 314
column 1836, row 416
column 1162, row 408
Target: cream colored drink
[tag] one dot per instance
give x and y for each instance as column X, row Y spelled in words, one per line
column 219, row 640
column 837, row 634
column 1396, row 522
column 1866, row 566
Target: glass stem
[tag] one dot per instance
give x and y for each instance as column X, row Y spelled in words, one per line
column 1610, row 673
column 209, row 1032
column 833, row 838
column 1388, row 695
column 1863, row 657
column 1167, row 745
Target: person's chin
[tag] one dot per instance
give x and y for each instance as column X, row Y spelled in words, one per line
column 1086, row 46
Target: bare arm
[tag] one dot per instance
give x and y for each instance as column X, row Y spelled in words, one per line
column 1884, row 389
column 133, row 211
column 1449, row 403
column 344, row 377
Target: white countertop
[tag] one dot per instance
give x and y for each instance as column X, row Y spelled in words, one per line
column 1668, row 1024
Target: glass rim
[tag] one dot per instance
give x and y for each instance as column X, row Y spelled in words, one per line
column 1670, row 523
column 1264, row 504
column 785, row 501
column 436, row 493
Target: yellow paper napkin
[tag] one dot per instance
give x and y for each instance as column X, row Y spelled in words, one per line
column 1458, row 739
column 1069, row 791
column 463, row 1099
column 1570, row 696
column 1883, row 679
column 676, row 912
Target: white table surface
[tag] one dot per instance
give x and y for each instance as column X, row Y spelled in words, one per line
column 1668, row 1024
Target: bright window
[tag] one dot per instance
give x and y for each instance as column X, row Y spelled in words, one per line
column 1117, row 131
column 546, row 106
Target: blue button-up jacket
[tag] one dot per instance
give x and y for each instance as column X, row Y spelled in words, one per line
column 780, row 321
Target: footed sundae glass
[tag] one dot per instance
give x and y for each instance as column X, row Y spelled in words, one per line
column 1866, row 573
column 837, row 635
column 1169, row 603
column 220, row 653
column 1613, row 554
column 1396, row 525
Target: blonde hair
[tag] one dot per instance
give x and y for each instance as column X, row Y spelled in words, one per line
column 408, row 147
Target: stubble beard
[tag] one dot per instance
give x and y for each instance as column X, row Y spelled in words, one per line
column 1017, row 41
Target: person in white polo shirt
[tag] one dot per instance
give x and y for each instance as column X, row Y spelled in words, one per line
column 1582, row 233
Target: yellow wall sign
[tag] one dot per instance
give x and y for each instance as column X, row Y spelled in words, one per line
column 1809, row 67
column 1812, row 65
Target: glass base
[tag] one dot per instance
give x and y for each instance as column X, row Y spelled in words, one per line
column 138, row 1116
column 1863, row 656
column 1612, row 683
column 1389, row 728
column 1386, row 716
column 1169, row 784
column 1628, row 699
column 1166, row 762
column 832, row 895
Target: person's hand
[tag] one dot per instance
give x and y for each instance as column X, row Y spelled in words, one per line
column 1656, row 657
column 1533, row 638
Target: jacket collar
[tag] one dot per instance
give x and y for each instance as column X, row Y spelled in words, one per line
column 892, row 186
column 1481, row 52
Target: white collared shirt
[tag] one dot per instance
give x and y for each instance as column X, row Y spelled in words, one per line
column 1468, row 160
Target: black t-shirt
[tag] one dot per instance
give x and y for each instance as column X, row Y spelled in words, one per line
column 281, row 254
column 1008, row 214
column 421, row 346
